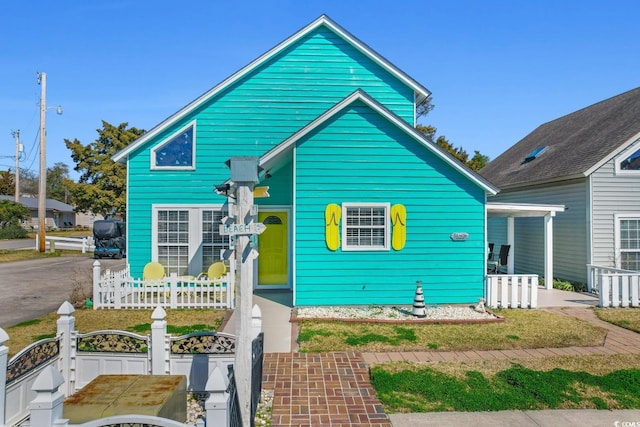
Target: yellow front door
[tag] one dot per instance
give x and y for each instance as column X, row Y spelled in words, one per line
column 273, row 261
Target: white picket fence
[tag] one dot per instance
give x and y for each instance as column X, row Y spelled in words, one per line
column 35, row 381
column 615, row 287
column 512, row 291
column 117, row 289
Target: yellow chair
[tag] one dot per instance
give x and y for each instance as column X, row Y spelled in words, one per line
column 216, row 270
column 153, row 271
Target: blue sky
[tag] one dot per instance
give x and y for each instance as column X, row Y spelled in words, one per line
column 497, row 69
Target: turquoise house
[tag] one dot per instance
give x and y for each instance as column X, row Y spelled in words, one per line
column 361, row 205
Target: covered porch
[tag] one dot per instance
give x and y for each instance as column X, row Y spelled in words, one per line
column 521, row 290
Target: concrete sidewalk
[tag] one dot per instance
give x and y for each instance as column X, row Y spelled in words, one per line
column 547, row 418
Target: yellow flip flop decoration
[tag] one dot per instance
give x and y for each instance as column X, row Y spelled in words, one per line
column 332, row 215
column 399, row 226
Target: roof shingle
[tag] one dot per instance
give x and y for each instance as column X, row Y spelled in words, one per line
column 576, row 142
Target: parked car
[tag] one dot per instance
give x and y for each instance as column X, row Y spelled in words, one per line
column 109, row 237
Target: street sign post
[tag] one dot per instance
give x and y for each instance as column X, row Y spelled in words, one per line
column 242, row 229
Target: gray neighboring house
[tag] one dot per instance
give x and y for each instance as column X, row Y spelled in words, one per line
column 588, row 161
column 58, row 214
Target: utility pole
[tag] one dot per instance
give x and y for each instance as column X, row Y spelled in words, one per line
column 16, row 135
column 42, row 189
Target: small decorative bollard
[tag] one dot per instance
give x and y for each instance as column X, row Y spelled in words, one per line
column 419, row 309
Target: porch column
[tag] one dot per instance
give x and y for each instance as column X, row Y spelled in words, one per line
column 511, row 241
column 548, row 250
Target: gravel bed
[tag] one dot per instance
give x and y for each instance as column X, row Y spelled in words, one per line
column 393, row 313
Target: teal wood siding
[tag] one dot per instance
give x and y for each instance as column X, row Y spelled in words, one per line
column 358, row 156
column 250, row 117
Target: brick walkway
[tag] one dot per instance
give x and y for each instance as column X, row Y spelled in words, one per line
column 333, row 389
column 321, row 389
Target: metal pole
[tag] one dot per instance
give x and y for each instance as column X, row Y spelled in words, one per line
column 42, row 190
column 16, row 135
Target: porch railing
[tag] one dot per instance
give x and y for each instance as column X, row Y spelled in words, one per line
column 512, row 290
column 615, row 287
column 117, row 289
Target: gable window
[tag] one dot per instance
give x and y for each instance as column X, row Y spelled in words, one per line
column 629, row 161
column 186, row 239
column 629, row 238
column 365, row 226
column 178, row 152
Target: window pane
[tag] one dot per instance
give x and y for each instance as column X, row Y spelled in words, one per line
column 176, row 152
column 631, row 163
column 630, row 234
column 173, row 241
column 366, row 227
column 212, row 241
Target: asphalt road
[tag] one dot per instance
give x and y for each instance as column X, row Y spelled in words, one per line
column 31, row 288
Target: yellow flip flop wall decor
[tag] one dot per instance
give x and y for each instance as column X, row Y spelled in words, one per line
column 399, row 227
column 332, row 215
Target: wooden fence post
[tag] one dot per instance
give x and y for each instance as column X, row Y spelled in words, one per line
column 216, row 405
column 158, row 333
column 97, row 296
column 46, row 407
column 4, row 357
column 66, row 325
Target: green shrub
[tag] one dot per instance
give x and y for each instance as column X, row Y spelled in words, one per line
column 13, row 231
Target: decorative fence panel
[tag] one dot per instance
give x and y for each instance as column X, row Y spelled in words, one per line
column 22, row 371
column 512, row 290
column 190, row 355
column 107, row 352
column 119, row 290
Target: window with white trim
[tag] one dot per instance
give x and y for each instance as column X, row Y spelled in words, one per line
column 630, row 244
column 173, row 240
column 187, row 240
column 629, row 161
column 365, row 226
column 178, row 152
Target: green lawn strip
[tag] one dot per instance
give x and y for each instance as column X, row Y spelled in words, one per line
column 179, row 322
column 428, row 390
column 522, row 329
column 628, row 318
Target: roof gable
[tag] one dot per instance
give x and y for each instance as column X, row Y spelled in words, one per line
column 577, row 144
column 421, row 93
column 273, row 156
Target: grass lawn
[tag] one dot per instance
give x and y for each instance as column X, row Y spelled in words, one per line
column 570, row 382
column 628, row 318
column 8, row 255
column 179, row 322
column 522, row 329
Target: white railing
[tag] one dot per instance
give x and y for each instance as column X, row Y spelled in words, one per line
column 118, row 290
column 70, row 367
column 615, row 287
column 83, row 244
column 512, row 291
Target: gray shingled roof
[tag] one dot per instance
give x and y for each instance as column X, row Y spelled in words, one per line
column 576, row 143
column 32, row 203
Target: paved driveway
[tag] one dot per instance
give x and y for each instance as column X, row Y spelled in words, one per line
column 31, row 288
